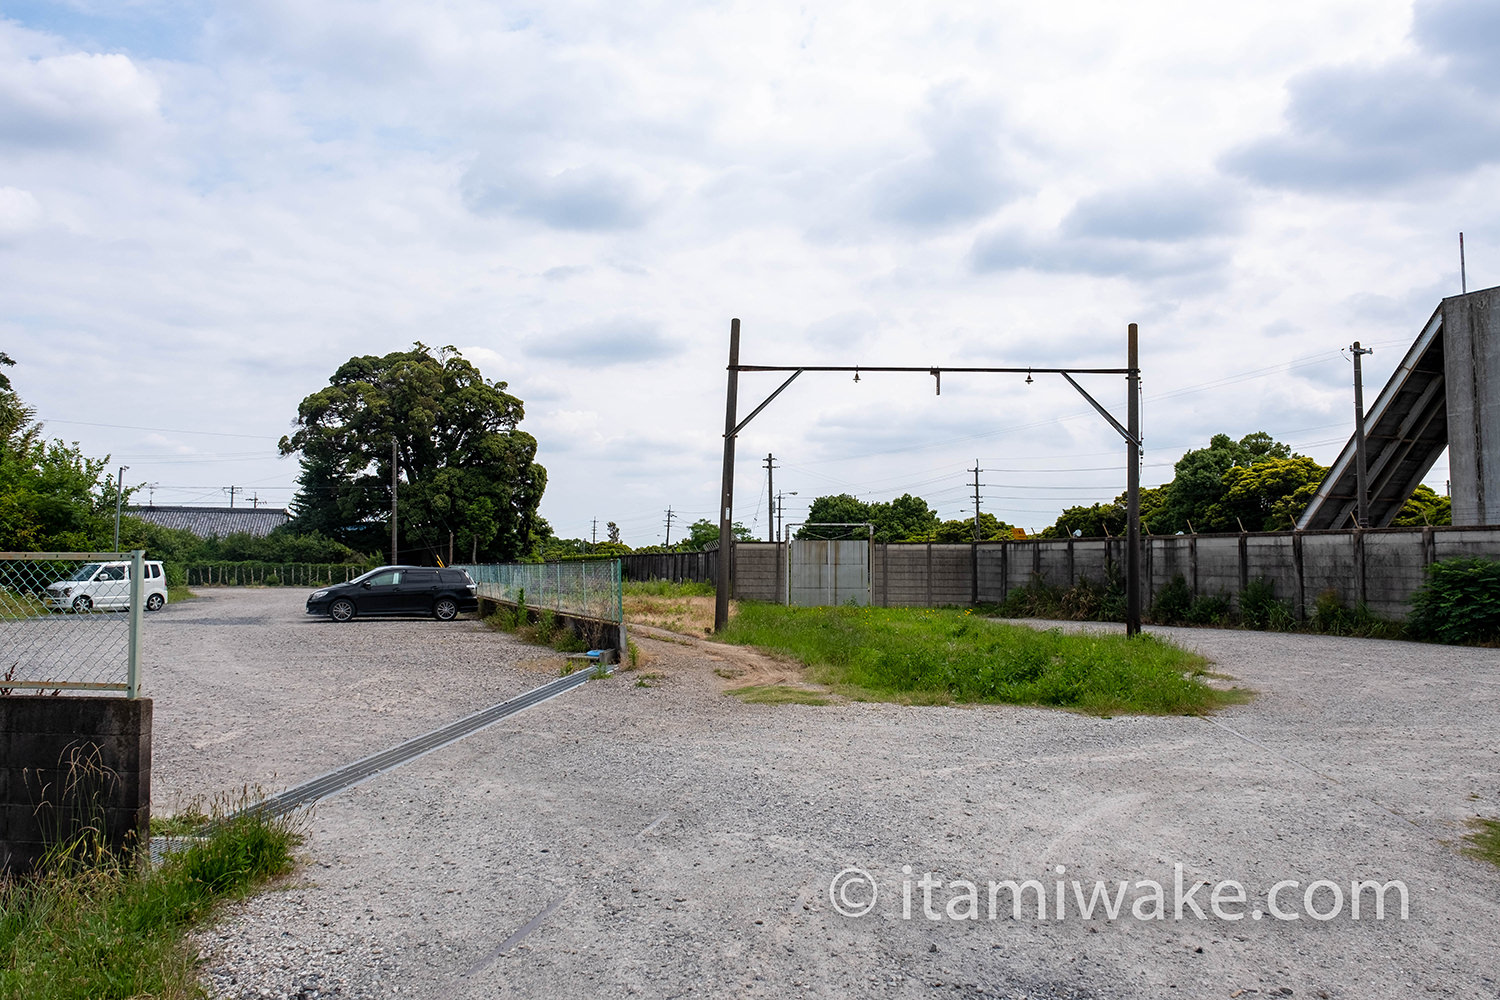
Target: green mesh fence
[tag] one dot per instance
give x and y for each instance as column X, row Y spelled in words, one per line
column 590, row 589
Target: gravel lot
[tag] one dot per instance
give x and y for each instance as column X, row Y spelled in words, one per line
column 676, row 842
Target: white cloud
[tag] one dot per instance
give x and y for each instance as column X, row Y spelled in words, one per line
column 585, row 196
column 78, row 100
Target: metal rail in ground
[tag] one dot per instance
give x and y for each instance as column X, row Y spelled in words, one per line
column 402, row 753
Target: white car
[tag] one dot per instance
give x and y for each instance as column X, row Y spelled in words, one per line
column 106, row 585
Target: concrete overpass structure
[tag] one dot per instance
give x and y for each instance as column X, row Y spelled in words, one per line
column 1444, row 394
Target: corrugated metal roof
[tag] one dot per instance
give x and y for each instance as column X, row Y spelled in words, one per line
column 214, row 522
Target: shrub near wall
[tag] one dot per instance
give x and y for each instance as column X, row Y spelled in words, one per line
column 262, row 574
column 1459, row 602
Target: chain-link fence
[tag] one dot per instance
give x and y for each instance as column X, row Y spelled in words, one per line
column 590, row 589
column 71, row 621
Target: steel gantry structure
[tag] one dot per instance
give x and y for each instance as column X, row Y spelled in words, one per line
column 1130, row 431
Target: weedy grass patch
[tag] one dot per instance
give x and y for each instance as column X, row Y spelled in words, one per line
column 933, row 656
column 1483, row 840
column 99, row 927
column 778, row 694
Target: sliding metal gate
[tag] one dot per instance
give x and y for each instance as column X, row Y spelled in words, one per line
column 827, row 572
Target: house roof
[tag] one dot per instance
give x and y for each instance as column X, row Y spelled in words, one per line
column 214, row 522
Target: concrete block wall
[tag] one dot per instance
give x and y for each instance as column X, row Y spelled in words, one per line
column 759, row 571
column 68, row 762
column 1382, row 567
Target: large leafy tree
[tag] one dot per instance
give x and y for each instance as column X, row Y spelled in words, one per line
column 53, row 497
column 1265, row 496
column 465, row 469
column 1199, row 482
column 905, row 517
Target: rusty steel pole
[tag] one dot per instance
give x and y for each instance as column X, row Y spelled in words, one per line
column 726, row 493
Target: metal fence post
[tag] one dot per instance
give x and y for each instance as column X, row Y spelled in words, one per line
column 137, row 602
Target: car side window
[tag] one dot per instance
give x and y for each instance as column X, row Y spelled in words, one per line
column 111, row 573
column 420, row 578
column 389, row 579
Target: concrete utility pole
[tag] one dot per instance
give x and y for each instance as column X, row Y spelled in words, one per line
column 120, row 501
column 781, row 510
column 1361, row 482
column 394, row 560
column 670, row 515
column 974, row 549
column 976, row 470
column 231, row 490
column 771, row 494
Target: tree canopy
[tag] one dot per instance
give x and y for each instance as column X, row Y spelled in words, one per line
column 53, row 497
column 896, row 520
column 464, row 466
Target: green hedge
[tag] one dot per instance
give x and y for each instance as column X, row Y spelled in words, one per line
column 264, row 574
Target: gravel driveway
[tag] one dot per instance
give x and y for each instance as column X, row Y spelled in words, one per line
column 667, row 840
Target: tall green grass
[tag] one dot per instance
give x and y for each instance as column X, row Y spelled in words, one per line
column 938, row 656
column 110, row 928
column 666, row 588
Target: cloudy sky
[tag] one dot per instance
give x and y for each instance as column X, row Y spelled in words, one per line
column 206, row 207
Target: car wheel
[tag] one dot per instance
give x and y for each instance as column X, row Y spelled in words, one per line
column 82, row 604
column 445, row 609
column 341, row 610
column 154, row 602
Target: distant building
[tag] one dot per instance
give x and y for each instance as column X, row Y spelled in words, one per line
column 215, row 522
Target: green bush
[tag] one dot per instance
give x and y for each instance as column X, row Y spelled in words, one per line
column 1208, row 609
column 1086, row 600
column 1260, row 609
column 1458, row 603
column 1172, row 602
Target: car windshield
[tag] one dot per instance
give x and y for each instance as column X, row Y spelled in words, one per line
column 86, row 571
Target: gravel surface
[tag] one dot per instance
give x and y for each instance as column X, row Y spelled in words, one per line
column 646, row 835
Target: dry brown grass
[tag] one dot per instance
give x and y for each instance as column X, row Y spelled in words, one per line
column 684, row 614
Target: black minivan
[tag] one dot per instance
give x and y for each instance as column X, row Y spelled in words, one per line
column 398, row 590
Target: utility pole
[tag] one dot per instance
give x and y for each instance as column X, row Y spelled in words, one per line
column 1361, row 482
column 594, row 534
column 781, row 509
column 1463, row 267
column 770, row 492
column 670, row 515
column 726, row 488
column 231, row 490
column 255, row 502
column 119, row 502
column 394, row 560
column 974, row 549
column 976, row 470
column 1133, row 484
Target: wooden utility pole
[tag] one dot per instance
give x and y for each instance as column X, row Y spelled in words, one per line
column 726, row 492
column 1133, row 486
